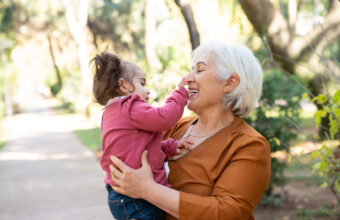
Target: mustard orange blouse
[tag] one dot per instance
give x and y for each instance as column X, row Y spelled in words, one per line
column 222, row 178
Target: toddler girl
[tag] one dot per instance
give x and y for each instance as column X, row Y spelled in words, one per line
column 130, row 126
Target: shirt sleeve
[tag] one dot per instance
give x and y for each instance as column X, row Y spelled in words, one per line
column 169, row 147
column 237, row 191
column 153, row 119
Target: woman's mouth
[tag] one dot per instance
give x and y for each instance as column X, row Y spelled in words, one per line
column 193, row 92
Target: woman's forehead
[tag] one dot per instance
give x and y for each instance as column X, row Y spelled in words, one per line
column 205, row 59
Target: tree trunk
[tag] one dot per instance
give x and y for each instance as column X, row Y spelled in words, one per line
column 79, row 33
column 7, row 95
column 338, row 54
column 292, row 13
column 150, row 35
column 190, row 21
column 60, row 82
column 290, row 49
column 316, row 13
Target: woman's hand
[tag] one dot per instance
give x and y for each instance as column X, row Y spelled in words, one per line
column 134, row 183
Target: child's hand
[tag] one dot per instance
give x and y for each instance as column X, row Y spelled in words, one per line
column 184, row 145
column 183, row 82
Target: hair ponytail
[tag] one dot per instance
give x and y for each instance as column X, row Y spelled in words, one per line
column 107, row 71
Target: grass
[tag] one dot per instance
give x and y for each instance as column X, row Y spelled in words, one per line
column 2, row 138
column 300, row 169
column 90, row 137
column 319, row 213
column 62, row 109
column 2, row 143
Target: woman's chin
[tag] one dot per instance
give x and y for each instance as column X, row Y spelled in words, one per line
column 191, row 106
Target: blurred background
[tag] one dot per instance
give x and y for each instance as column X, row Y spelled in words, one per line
column 46, row 48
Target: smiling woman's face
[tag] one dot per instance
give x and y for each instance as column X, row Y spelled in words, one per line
column 205, row 90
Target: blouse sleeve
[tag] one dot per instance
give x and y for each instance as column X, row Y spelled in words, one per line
column 169, row 147
column 146, row 117
column 238, row 189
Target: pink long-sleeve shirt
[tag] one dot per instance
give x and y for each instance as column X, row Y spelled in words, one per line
column 130, row 126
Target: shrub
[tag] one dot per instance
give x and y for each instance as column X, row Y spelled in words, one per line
column 328, row 157
column 276, row 117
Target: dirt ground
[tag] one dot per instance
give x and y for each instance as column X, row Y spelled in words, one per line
column 301, row 201
column 302, row 198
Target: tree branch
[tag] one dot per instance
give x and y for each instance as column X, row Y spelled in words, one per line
column 190, row 21
column 267, row 22
column 270, row 24
column 299, row 48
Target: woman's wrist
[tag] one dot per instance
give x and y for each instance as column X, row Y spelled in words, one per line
column 148, row 191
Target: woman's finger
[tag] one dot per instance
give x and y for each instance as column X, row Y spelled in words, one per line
column 117, row 189
column 115, row 172
column 144, row 159
column 114, row 178
column 118, row 163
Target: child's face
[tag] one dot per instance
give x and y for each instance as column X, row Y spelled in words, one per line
column 139, row 82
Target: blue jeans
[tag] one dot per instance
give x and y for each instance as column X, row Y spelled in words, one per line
column 123, row 207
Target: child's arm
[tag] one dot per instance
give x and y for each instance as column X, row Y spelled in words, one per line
column 146, row 117
column 169, row 147
column 172, row 147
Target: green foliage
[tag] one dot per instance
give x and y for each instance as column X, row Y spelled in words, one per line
column 305, row 213
column 2, row 143
column 275, row 117
column 90, row 137
column 328, row 159
column 2, row 96
column 120, row 22
column 7, row 17
column 55, row 88
column 319, row 213
column 271, row 200
column 72, row 93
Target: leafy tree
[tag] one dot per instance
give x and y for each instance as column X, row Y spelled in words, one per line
column 328, row 157
column 292, row 49
column 8, row 11
column 120, row 23
column 277, row 116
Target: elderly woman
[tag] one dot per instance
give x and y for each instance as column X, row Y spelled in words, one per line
column 227, row 168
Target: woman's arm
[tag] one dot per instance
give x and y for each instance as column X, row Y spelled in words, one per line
column 127, row 179
column 234, row 196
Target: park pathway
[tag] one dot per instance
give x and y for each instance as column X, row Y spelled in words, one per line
column 46, row 172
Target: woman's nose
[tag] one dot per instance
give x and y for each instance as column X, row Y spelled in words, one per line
column 189, row 77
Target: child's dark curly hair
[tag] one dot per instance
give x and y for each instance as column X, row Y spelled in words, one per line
column 108, row 70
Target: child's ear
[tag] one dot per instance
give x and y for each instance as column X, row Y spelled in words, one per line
column 231, row 83
column 122, row 85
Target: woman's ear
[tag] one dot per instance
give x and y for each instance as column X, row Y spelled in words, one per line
column 231, row 83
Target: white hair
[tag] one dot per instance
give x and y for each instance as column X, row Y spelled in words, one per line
column 238, row 59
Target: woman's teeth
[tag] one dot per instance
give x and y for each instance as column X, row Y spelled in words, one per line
column 193, row 91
